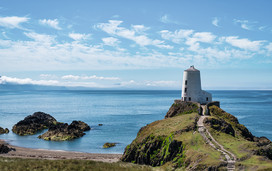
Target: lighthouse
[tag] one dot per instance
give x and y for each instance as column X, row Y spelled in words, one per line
column 191, row 87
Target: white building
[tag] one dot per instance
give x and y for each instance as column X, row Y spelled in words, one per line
column 191, row 87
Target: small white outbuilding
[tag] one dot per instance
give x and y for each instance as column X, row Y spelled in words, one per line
column 191, row 87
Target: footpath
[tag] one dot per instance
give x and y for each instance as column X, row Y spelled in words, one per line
column 230, row 157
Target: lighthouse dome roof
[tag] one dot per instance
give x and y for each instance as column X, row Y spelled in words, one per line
column 192, row 68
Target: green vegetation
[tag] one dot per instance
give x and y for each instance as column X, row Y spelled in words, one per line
column 174, row 142
column 108, row 145
column 242, row 144
column 15, row 164
column 192, row 151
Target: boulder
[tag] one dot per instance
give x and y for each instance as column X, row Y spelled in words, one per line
column 4, row 131
column 109, row 145
column 5, row 149
column 80, row 125
column 63, row 131
column 34, row 123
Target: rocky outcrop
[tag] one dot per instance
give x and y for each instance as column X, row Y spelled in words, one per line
column 34, row 123
column 4, row 131
column 5, row 149
column 109, row 145
column 181, row 107
column 220, row 125
column 230, row 120
column 265, row 147
column 63, row 131
column 154, row 151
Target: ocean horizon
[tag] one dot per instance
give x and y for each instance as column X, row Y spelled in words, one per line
column 122, row 113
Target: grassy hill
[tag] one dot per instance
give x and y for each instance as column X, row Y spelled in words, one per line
column 174, row 143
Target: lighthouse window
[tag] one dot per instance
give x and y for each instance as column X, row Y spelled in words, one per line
column 184, row 98
column 185, row 90
column 189, row 98
column 185, row 82
column 207, row 98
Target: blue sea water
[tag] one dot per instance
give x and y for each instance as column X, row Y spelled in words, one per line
column 122, row 114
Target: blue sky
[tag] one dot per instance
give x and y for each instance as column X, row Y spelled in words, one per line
column 136, row 44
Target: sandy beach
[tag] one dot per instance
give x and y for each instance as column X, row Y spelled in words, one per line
column 22, row 152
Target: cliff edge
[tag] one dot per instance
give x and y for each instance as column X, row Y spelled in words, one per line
column 175, row 143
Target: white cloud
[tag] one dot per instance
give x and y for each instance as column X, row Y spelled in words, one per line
column 166, row 19
column 269, row 47
column 243, row 43
column 112, row 27
column 149, row 83
column 140, row 28
column 177, row 36
column 245, row 24
column 48, row 76
column 76, row 77
column 41, row 37
column 215, row 21
column 110, row 41
column 12, row 22
column 51, row 23
column 162, row 83
column 78, row 36
column 11, row 80
column 204, row 37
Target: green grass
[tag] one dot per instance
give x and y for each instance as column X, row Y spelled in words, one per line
column 195, row 148
column 15, row 164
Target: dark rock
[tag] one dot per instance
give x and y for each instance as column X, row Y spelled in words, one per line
column 4, row 131
column 5, row 149
column 265, row 151
column 182, row 107
column 213, row 103
column 220, row 125
column 63, row 131
column 245, row 132
column 154, row 151
column 100, row 124
column 262, row 141
column 80, row 125
column 34, row 123
column 108, row 145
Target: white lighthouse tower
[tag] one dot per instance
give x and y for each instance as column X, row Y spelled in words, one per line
column 191, row 87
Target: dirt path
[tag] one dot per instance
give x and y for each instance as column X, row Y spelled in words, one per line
column 55, row 154
column 230, row 157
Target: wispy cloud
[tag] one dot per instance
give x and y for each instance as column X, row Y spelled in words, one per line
column 51, row 23
column 41, row 37
column 215, row 21
column 13, row 21
column 166, row 19
column 244, row 43
column 78, row 36
column 245, row 24
column 110, row 41
column 77, row 77
column 177, row 36
column 113, row 28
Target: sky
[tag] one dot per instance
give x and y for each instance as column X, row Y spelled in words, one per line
column 125, row 44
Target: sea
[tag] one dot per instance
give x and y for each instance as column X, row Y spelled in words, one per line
column 121, row 112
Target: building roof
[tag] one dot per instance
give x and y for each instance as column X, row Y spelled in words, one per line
column 192, row 68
